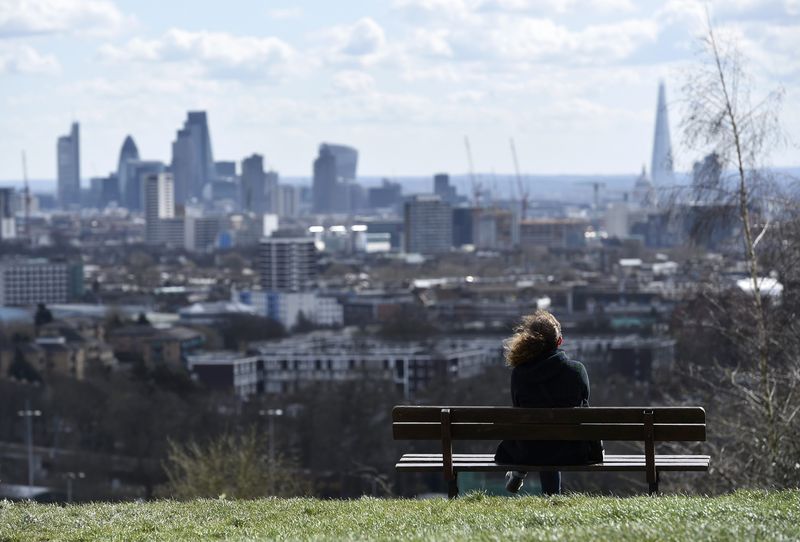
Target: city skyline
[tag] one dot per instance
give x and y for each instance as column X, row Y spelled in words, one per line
column 576, row 88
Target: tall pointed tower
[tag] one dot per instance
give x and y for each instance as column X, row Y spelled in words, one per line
column 661, row 166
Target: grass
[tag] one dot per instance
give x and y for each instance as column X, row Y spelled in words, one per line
column 744, row 515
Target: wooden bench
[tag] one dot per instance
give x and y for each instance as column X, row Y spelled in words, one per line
column 646, row 424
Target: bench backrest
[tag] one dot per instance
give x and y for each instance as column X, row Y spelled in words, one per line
column 590, row 423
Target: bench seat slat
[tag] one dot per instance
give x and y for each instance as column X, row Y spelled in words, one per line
column 479, row 462
column 549, row 415
column 587, row 431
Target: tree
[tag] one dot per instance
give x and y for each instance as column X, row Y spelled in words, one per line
column 231, row 466
column 753, row 381
column 43, row 315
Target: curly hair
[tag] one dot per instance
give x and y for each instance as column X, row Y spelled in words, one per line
column 535, row 335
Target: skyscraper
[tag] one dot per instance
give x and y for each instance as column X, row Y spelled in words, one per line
column 128, row 153
column 443, row 189
column 68, row 153
column 254, row 180
column 192, row 160
column 661, row 166
column 428, row 225
column 334, row 170
column 136, row 173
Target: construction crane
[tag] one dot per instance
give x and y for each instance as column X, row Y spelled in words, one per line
column 522, row 188
column 477, row 189
column 26, row 197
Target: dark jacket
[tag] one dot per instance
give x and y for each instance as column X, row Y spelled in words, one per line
column 552, row 380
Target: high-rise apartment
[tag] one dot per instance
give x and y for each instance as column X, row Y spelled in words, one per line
column 428, row 225
column 192, row 160
column 288, row 264
column 159, row 204
column 68, row 153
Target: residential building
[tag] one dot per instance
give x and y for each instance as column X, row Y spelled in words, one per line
column 428, row 225
column 553, row 233
column 227, row 371
column 201, row 233
column 288, row 264
column 159, row 204
column 8, row 223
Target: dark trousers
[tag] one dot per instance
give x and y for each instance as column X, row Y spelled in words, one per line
column 551, row 482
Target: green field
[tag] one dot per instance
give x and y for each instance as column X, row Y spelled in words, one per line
column 745, row 515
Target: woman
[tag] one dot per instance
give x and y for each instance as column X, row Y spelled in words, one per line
column 543, row 376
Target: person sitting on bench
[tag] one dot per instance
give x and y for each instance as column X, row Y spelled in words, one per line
column 543, row 376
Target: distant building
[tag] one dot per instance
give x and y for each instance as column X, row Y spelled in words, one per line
column 8, row 224
column 553, row 233
column 227, row 371
column 464, row 226
column 69, row 168
column 443, row 189
column 289, row 308
column 128, row 153
column 27, row 282
column 495, row 229
column 192, row 159
column 428, row 225
column 159, row 204
column 288, row 264
column 661, row 167
column 644, row 193
column 136, row 173
column 387, row 196
column 201, row 233
column 287, row 200
column 254, row 184
column 334, row 173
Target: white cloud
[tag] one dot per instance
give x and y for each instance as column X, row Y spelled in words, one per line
column 353, row 82
column 557, row 6
column 362, row 38
column 27, row 60
column 222, row 54
column 27, row 17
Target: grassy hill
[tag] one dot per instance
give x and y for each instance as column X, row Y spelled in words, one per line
column 745, row 515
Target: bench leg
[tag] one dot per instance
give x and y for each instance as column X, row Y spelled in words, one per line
column 452, row 487
column 654, row 485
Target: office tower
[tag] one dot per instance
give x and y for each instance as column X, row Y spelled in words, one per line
column 201, row 232
column 127, row 153
column 288, row 264
column 334, row 174
column 287, row 200
column 644, row 193
column 464, row 226
column 225, row 169
column 271, row 191
column 443, row 189
column 136, row 173
column 69, row 168
column 159, row 203
column 192, row 160
column 8, row 224
column 661, row 166
column 254, row 180
column 428, row 225
column 387, row 195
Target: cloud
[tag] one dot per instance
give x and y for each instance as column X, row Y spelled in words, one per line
column 30, row 17
column 557, row 6
column 364, row 37
column 27, row 60
column 353, row 82
column 220, row 53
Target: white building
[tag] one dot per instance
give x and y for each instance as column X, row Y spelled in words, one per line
column 325, row 356
column 159, row 204
column 287, row 307
column 288, row 264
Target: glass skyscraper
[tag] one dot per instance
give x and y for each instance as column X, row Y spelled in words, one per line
column 68, row 153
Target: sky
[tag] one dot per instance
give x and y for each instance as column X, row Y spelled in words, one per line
column 573, row 82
